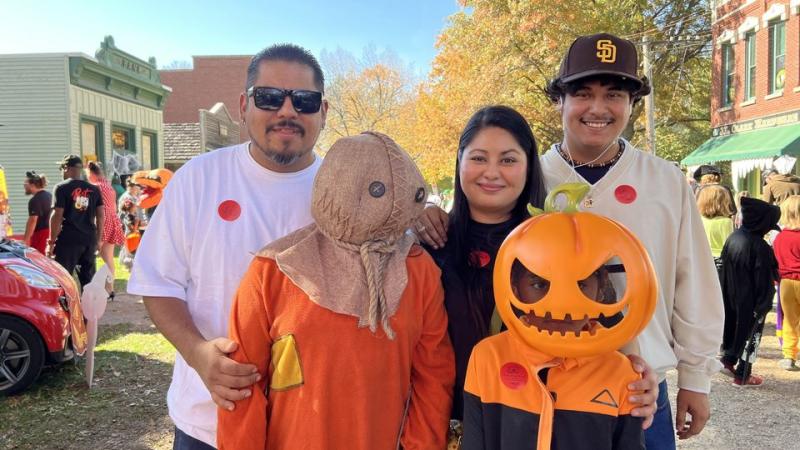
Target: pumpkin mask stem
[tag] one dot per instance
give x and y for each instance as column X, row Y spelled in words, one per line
column 574, row 193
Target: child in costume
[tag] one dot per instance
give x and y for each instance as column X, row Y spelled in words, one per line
column 129, row 215
column 787, row 253
column 749, row 273
column 345, row 318
column 555, row 379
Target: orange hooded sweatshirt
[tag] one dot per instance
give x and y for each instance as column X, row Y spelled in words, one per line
column 328, row 384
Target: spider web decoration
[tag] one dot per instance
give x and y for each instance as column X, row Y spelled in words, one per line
column 123, row 164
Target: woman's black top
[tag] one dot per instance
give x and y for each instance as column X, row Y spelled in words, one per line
column 465, row 282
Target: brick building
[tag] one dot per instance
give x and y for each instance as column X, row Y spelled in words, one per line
column 212, row 79
column 755, row 97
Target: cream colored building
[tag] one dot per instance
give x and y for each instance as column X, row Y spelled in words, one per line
column 108, row 107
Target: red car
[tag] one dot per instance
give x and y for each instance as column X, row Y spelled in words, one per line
column 41, row 321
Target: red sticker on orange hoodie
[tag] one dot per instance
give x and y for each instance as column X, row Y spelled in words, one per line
column 513, row 375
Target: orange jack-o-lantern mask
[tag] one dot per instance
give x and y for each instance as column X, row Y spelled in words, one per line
column 565, row 248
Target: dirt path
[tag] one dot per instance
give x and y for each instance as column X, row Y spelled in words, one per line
column 767, row 417
column 157, row 434
column 126, row 308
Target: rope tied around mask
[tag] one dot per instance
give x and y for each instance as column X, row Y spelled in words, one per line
column 375, row 256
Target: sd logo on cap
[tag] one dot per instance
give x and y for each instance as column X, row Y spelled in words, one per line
column 606, row 51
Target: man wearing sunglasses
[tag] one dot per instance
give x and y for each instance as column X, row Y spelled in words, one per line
column 219, row 209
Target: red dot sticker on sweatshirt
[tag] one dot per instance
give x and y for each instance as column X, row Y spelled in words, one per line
column 625, row 193
column 229, row 210
column 513, row 375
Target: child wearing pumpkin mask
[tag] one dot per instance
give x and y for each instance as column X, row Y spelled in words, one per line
column 556, row 369
column 530, row 288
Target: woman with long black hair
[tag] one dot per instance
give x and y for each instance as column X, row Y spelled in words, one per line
column 497, row 175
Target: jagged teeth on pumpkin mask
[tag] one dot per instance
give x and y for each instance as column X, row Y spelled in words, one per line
column 564, row 235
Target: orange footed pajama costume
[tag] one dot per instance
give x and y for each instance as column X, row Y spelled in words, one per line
column 345, row 319
column 554, row 379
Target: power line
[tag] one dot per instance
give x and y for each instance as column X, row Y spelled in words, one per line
column 660, row 28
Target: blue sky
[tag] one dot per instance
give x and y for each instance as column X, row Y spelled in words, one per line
column 177, row 29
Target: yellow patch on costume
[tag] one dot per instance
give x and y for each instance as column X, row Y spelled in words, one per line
column 287, row 371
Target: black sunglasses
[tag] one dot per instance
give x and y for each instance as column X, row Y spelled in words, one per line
column 271, row 99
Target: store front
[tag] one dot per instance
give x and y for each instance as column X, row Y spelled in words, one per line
column 752, row 146
column 107, row 108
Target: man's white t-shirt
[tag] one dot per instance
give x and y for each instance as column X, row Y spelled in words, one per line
column 217, row 211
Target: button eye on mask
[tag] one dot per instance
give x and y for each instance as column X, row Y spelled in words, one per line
column 420, row 195
column 377, row 189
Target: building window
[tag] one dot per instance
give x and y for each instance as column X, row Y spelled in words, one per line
column 728, row 66
column 150, row 145
column 777, row 56
column 122, row 140
column 91, row 138
column 750, row 66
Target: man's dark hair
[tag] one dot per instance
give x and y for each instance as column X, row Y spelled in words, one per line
column 556, row 89
column 288, row 53
column 36, row 179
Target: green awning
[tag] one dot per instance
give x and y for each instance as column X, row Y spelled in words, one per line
column 764, row 143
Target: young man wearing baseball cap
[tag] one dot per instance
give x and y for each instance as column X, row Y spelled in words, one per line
column 596, row 89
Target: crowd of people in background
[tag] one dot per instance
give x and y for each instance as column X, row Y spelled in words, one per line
column 756, row 247
column 82, row 218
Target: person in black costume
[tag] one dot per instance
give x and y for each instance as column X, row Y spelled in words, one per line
column 748, row 276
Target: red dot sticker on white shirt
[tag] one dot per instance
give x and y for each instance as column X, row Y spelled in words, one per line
column 625, row 193
column 513, row 375
column 229, row 210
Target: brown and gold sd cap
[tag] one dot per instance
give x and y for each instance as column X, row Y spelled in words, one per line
column 600, row 54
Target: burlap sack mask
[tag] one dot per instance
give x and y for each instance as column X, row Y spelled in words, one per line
column 352, row 260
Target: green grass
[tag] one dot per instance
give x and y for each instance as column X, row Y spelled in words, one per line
column 124, row 409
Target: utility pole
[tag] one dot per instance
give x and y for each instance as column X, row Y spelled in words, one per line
column 649, row 106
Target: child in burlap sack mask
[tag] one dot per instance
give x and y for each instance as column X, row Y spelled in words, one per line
column 352, row 313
